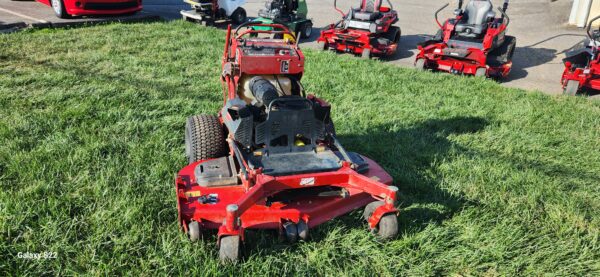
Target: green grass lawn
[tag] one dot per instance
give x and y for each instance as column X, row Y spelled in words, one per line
column 493, row 181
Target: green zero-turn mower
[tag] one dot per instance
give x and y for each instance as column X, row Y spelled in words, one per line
column 291, row 13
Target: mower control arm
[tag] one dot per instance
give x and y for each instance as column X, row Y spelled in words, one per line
column 338, row 10
column 338, row 145
column 238, row 156
column 504, row 15
column 436, row 15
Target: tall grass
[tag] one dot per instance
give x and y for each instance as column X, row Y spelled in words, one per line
column 493, row 181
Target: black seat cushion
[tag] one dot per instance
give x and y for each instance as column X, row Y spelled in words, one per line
column 366, row 16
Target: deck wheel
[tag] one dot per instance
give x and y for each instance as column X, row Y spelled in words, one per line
column 420, row 65
column 194, row 231
column 366, row 53
column 388, row 226
column 302, row 230
column 230, row 249
column 291, row 231
column 481, row 72
column 571, row 88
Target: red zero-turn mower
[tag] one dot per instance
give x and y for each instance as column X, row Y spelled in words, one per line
column 582, row 64
column 270, row 159
column 365, row 31
column 474, row 43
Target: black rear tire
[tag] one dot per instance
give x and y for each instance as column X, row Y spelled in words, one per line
column 306, row 30
column 393, row 34
column 204, row 138
column 503, row 53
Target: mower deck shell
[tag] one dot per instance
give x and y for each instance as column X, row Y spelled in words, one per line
column 312, row 209
column 355, row 41
column 453, row 54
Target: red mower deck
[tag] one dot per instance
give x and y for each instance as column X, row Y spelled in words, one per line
column 270, row 159
column 582, row 64
column 367, row 31
column 472, row 43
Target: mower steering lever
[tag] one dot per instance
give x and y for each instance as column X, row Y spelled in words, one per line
column 436, row 15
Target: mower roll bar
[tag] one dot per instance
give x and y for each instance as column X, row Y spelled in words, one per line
column 589, row 27
column 504, row 15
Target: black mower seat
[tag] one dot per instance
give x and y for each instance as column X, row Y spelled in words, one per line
column 475, row 19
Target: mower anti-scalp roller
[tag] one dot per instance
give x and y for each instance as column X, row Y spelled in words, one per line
column 270, row 158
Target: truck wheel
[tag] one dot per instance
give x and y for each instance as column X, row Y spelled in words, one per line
column 239, row 16
column 59, row 9
column 230, row 249
column 571, row 88
column 204, row 138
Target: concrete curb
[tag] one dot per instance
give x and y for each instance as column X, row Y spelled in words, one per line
column 14, row 27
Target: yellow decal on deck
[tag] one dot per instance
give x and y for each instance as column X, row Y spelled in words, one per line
column 194, row 193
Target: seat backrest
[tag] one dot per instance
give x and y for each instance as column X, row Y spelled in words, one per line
column 477, row 10
column 287, row 118
column 370, row 5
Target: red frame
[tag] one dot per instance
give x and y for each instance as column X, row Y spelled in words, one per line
column 588, row 77
column 476, row 57
column 355, row 41
column 77, row 10
column 243, row 206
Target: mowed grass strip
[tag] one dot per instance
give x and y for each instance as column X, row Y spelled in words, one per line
column 493, row 181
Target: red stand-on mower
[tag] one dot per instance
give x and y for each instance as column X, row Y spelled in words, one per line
column 366, row 31
column 473, row 43
column 270, row 158
column 582, row 64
